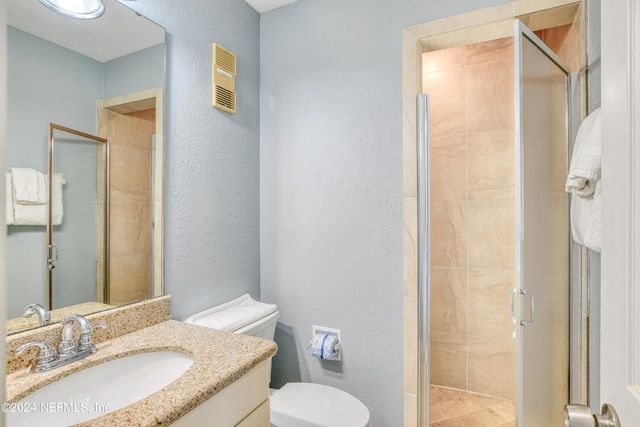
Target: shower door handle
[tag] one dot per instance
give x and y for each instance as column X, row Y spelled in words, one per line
column 532, row 306
column 53, row 256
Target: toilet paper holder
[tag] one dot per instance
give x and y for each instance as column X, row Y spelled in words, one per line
column 326, row 343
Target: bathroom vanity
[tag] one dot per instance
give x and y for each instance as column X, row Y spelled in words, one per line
column 226, row 385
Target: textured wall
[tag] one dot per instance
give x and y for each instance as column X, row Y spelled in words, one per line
column 211, row 200
column 331, row 187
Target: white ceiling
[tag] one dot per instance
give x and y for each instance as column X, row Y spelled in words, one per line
column 262, row 6
column 120, row 31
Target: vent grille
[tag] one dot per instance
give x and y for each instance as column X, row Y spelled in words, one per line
column 225, row 59
column 225, row 99
column 223, row 76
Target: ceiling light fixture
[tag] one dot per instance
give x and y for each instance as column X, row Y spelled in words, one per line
column 81, row 9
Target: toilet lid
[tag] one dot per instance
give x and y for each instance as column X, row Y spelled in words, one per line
column 316, row 405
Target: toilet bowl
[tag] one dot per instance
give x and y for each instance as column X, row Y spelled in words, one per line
column 295, row 404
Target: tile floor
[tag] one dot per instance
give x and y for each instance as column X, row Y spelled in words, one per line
column 456, row 408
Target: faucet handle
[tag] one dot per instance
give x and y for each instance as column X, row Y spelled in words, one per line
column 86, row 337
column 100, row 325
column 45, row 356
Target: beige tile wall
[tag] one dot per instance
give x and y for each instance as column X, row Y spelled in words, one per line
column 568, row 41
column 472, row 216
column 130, row 136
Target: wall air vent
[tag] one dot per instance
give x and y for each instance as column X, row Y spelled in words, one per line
column 225, row 99
column 223, row 79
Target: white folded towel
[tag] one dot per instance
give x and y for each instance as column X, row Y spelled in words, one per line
column 234, row 314
column 585, row 167
column 29, row 186
column 583, row 182
column 39, row 214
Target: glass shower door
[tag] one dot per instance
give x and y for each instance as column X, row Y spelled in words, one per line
column 541, row 297
column 78, row 228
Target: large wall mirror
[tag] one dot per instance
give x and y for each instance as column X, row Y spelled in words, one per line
column 103, row 77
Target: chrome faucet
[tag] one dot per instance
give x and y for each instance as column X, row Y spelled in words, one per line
column 44, row 317
column 85, row 341
column 68, row 350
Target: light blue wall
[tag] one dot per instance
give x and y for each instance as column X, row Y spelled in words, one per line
column 211, row 198
column 331, row 187
column 144, row 69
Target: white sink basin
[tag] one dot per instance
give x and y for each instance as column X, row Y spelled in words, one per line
column 98, row 390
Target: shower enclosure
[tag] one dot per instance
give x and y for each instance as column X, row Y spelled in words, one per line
column 493, row 225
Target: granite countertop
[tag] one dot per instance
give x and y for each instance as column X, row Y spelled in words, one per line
column 220, row 358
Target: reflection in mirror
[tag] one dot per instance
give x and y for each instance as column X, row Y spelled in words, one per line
column 78, row 164
column 51, row 80
column 133, row 126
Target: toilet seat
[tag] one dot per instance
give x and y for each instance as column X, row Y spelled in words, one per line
column 316, row 405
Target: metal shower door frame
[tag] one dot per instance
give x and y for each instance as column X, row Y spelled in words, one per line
column 424, row 275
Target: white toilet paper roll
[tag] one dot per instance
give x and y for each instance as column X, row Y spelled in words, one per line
column 325, row 346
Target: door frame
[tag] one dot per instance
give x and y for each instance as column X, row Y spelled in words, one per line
column 472, row 27
column 129, row 103
column 620, row 298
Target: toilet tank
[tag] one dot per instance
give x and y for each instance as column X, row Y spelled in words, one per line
column 261, row 328
column 244, row 315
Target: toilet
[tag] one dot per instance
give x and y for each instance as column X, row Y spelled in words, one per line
column 295, row 404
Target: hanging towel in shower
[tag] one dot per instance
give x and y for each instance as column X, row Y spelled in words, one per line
column 584, row 170
column 583, row 182
column 29, row 186
column 586, row 219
